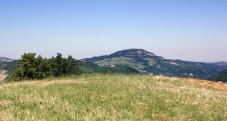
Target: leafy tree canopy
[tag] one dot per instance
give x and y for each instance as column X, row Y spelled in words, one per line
column 32, row 67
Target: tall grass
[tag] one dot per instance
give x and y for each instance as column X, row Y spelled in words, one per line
column 113, row 97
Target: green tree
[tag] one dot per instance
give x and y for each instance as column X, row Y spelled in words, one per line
column 62, row 66
column 72, row 66
column 30, row 67
column 56, row 65
column 42, row 67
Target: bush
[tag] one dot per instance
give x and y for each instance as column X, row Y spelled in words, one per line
column 32, row 67
column 62, row 66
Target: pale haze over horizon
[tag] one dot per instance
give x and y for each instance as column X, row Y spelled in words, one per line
column 193, row 30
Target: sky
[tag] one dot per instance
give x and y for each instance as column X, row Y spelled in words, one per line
column 193, row 30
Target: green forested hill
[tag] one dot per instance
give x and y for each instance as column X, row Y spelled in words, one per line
column 147, row 62
column 222, row 76
column 8, row 66
column 89, row 67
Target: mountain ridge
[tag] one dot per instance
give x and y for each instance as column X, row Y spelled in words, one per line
column 150, row 63
column 133, row 52
column 5, row 59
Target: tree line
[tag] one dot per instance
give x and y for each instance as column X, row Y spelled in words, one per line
column 32, row 67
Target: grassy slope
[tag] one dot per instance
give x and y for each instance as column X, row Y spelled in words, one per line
column 113, row 97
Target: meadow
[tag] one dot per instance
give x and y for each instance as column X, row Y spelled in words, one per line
column 113, row 97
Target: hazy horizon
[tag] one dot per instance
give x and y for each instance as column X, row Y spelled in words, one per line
column 192, row 30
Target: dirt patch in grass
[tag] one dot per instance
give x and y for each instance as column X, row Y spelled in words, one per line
column 206, row 83
column 5, row 102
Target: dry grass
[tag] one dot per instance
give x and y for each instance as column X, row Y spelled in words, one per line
column 42, row 83
column 205, row 83
column 114, row 97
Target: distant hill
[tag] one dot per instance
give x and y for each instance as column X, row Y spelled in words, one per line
column 9, row 66
column 6, row 67
column 89, row 67
column 221, row 63
column 4, row 59
column 147, row 62
column 222, row 76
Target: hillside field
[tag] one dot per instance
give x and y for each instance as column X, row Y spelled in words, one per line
column 113, row 97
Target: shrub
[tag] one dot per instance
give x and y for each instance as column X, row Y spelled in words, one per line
column 62, row 66
column 31, row 67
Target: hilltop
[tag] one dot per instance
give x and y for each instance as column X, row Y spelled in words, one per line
column 113, row 97
column 130, row 53
column 149, row 63
column 4, row 59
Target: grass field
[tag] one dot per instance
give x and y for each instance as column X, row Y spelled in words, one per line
column 114, row 97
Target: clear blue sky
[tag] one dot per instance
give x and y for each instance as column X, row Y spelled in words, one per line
column 178, row 29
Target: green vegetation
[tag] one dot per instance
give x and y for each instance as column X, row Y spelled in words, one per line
column 128, row 62
column 142, row 60
column 57, row 66
column 113, row 97
column 88, row 67
column 222, row 76
column 62, row 66
column 32, row 67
